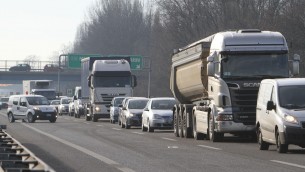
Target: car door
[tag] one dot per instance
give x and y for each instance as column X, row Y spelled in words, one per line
column 23, row 107
column 271, row 117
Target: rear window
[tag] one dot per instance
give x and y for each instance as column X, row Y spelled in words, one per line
column 4, row 99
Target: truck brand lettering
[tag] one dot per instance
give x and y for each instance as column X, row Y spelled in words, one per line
column 251, row 84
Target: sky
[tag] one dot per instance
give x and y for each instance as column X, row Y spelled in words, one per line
column 39, row 27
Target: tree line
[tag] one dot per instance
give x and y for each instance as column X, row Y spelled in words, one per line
column 154, row 28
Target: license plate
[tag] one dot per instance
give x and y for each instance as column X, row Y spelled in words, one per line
column 49, row 115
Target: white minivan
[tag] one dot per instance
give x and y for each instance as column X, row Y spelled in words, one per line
column 30, row 108
column 280, row 113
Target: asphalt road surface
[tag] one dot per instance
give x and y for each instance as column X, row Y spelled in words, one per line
column 73, row 144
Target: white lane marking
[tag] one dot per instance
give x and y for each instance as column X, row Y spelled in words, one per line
column 99, row 125
column 84, row 150
column 172, row 147
column 86, row 122
column 165, row 138
column 116, row 129
column 209, row 147
column 288, row 163
column 137, row 133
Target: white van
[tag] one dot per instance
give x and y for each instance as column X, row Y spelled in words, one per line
column 30, row 108
column 280, row 113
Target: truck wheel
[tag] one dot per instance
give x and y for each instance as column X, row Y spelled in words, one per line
column 127, row 126
column 94, row 118
column 262, row 145
column 30, row 118
column 186, row 130
column 88, row 118
column 281, row 148
column 214, row 136
column 180, row 125
column 176, row 123
column 11, row 118
column 197, row 135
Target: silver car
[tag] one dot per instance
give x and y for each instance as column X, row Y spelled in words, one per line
column 63, row 108
column 158, row 114
column 114, row 109
column 132, row 112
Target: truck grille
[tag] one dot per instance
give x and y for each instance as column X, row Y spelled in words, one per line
column 244, row 104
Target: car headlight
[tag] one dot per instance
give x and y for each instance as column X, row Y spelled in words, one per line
column 97, row 109
column 290, row 119
column 36, row 108
column 224, row 117
column 156, row 116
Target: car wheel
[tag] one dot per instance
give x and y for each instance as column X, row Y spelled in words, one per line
column 53, row 120
column 94, row 118
column 262, row 145
column 281, row 148
column 88, row 118
column 149, row 128
column 31, row 118
column 11, row 118
column 143, row 128
column 122, row 124
column 126, row 125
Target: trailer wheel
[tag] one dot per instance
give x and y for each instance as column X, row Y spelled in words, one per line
column 180, row 124
column 176, row 123
column 186, row 130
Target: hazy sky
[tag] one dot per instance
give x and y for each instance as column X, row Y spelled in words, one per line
column 39, row 27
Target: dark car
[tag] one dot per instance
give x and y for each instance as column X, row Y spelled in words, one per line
column 20, row 67
column 51, row 68
column 3, row 102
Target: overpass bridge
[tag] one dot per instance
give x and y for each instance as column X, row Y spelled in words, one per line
column 11, row 82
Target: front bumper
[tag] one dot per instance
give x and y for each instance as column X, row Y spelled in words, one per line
column 44, row 115
column 233, row 127
column 293, row 135
column 162, row 123
column 134, row 121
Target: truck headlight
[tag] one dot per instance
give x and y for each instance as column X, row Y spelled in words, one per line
column 290, row 118
column 224, row 117
column 97, row 109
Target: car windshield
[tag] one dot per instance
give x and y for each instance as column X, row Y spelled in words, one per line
column 37, row 100
column 65, row 101
column 162, row 104
column 118, row 101
column 137, row 104
column 292, row 97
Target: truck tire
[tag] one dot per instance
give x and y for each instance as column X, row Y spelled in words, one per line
column 94, row 118
column 197, row 135
column 11, row 118
column 88, row 118
column 176, row 122
column 180, row 124
column 281, row 148
column 150, row 129
column 262, row 145
column 214, row 136
column 186, row 130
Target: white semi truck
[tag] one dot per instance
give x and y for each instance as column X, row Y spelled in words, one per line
column 216, row 81
column 45, row 88
column 101, row 80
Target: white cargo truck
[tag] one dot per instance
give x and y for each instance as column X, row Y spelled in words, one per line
column 45, row 88
column 216, row 81
column 101, row 80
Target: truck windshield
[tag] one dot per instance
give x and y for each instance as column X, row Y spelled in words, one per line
column 114, row 81
column 50, row 95
column 38, row 101
column 255, row 65
column 292, row 97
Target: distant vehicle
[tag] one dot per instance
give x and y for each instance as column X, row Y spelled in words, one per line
column 63, row 108
column 158, row 114
column 124, row 104
column 55, row 103
column 51, row 68
column 45, row 88
column 132, row 112
column 21, row 68
column 77, row 100
column 71, row 108
column 114, row 109
column 4, row 101
column 280, row 110
column 30, row 108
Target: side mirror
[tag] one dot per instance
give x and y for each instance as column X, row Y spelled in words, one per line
column 133, row 81
column 270, row 105
column 146, row 109
column 296, row 64
column 120, row 105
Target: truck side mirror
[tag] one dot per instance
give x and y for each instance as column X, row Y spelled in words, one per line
column 270, row 105
column 211, row 64
column 296, row 64
column 133, row 81
column 89, row 81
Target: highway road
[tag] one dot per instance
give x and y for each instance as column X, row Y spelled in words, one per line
column 73, row 144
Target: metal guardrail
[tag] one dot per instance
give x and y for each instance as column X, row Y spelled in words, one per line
column 15, row 157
